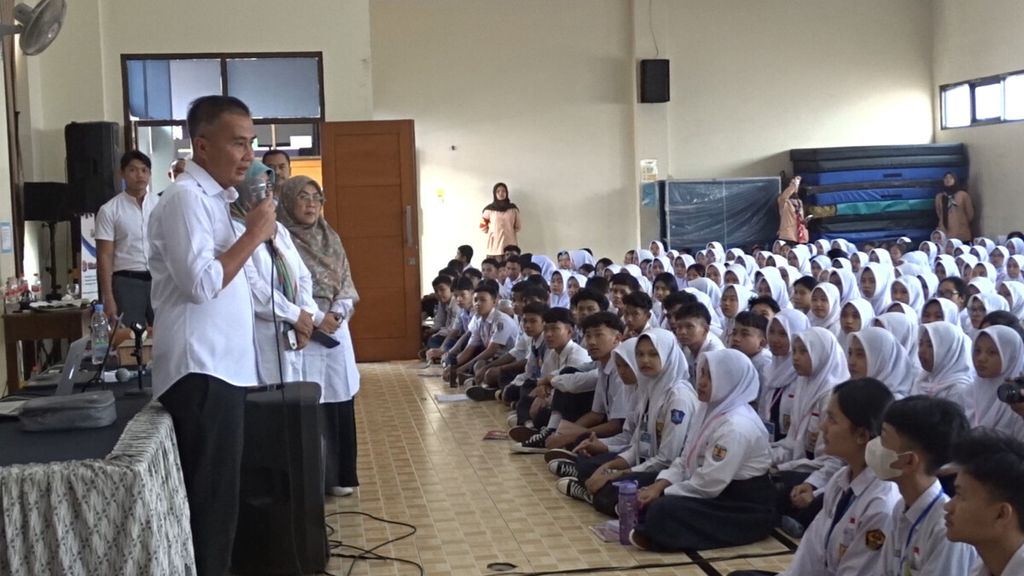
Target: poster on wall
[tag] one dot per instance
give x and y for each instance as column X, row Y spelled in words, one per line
column 90, row 287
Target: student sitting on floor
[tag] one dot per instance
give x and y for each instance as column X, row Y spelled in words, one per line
column 673, row 302
column 693, row 332
column 539, row 410
column 802, row 289
column 664, row 286
column 735, row 299
column 750, row 337
column 848, row 534
column 612, row 401
column 456, row 314
column 664, row 405
column 456, row 341
column 718, row 493
column 918, row 434
column 502, row 371
column 764, row 306
column 637, row 313
column 446, row 314
column 536, row 351
column 491, row 333
column 777, row 395
column 513, row 275
column 583, row 304
column 988, row 509
column 621, row 284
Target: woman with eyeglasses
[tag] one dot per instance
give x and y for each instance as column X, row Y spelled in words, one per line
column 329, row 358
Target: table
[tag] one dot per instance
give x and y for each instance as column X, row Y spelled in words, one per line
column 56, row 324
column 126, row 513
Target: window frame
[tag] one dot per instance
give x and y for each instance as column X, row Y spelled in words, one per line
column 972, row 86
column 130, row 135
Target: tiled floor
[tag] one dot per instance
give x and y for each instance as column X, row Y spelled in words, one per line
column 472, row 501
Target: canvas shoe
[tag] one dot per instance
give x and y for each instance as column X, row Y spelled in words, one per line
column 574, row 489
column 639, row 540
column 559, row 454
column 521, row 433
column 480, row 393
column 563, row 468
column 534, row 444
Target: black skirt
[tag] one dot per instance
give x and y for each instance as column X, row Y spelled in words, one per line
column 339, row 434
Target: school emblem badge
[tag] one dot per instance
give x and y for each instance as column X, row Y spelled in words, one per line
column 874, row 539
column 678, row 416
column 719, row 452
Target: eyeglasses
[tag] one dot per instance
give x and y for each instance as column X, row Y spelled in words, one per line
column 948, row 294
column 307, row 198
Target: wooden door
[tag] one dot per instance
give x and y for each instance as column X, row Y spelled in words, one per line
column 369, row 173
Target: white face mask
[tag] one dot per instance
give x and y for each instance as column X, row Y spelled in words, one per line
column 880, row 459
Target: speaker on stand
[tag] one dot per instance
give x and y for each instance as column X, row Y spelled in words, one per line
column 93, row 164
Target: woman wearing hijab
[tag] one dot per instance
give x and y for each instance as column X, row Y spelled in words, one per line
column 718, row 492
column 875, row 353
column 1013, row 292
column 772, row 284
column 500, row 221
column 998, row 356
column 825, row 308
column 329, row 358
column 664, row 406
column 777, row 395
column 281, row 286
column 854, row 316
column 876, row 285
column 908, row 290
column 846, row 281
column 954, row 208
column 906, row 329
column 947, row 368
column 979, row 306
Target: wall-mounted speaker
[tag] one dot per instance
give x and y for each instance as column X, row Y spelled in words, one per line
column 93, row 163
column 653, row 81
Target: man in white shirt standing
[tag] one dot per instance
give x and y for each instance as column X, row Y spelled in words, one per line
column 204, row 354
column 122, row 251
column 988, row 509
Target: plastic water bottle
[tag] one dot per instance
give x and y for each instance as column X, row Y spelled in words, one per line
column 628, row 508
column 37, row 288
column 100, row 335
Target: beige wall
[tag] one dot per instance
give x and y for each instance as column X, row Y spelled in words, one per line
column 534, row 93
column 975, row 39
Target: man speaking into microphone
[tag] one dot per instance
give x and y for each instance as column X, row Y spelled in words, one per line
column 203, row 353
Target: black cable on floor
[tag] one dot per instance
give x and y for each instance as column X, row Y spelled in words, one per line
column 602, row 569
column 371, row 554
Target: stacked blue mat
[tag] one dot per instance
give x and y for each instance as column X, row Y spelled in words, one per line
column 876, row 193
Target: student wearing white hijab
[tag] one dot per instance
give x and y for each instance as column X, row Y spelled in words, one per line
column 908, row 289
column 945, row 266
column 906, row 329
column 929, row 284
column 875, row 353
column 715, row 272
column 985, row 270
column 660, row 265
column 776, row 396
column 980, row 285
column 998, row 356
column 772, row 284
column 679, row 267
column 664, row 406
column 634, row 271
column 750, row 263
column 547, row 266
column 825, row 308
column 1015, row 246
column 998, row 259
column 979, row 306
column 581, row 258
column 1013, row 292
column 858, row 260
column 715, row 325
column 941, row 310
column 711, row 290
column 876, row 285
column 735, row 299
column 846, row 281
column 804, row 469
column 736, row 274
column 1014, row 265
column 947, row 367
column 880, row 256
column 818, row 264
column 930, row 249
column 657, row 248
column 559, row 284
column 855, row 315
column 718, row 492
column 800, row 258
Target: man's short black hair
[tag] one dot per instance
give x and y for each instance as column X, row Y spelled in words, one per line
column 638, row 299
column 678, row 298
column 130, row 155
column 537, row 291
column 836, row 253
column 456, row 265
column 488, row 286
column 585, row 269
column 272, row 151
column 442, row 279
column 513, row 248
column 932, row 425
column 560, row 315
column 863, row 401
column 669, row 280
column 513, row 259
column 767, row 301
column 807, row 282
column 491, row 261
column 748, row 319
column 587, row 294
column 205, row 111
column 606, row 262
column 537, row 280
column 958, row 284
column 472, row 273
column 607, row 319
column 699, row 268
column 1015, row 234
column 463, row 284
column 598, row 284
column 625, row 279
column 694, row 310
column 531, row 265
column 520, row 288
column 466, row 251
column 535, row 308
column 1003, row 318
column 996, row 460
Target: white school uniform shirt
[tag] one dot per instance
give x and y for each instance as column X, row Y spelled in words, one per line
column 762, row 362
column 578, row 382
column 122, row 221
column 917, row 544
column 854, row 547
column 734, row 448
column 498, row 328
column 268, row 302
column 522, row 347
column 207, row 328
column 505, row 290
column 711, row 343
column 533, row 363
column 571, row 355
column 1013, row 568
column 611, row 396
column 669, row 420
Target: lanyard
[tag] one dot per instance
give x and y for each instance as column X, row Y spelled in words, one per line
column 835, row 522
column 914, row 526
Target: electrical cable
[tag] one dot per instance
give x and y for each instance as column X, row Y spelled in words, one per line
column 650, row 25
column 650, row 565
column 371, row 553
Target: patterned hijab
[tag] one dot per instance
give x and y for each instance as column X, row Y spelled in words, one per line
column 320, row 247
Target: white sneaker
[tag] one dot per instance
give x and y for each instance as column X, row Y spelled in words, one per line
column 341, row 491
column 512, row 420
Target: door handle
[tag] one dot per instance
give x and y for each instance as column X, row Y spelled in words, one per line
column 408, row 226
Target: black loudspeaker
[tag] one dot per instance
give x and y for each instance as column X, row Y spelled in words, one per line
column 93, row 158
column 47, row 202
column 653, row 81
column 281, row 507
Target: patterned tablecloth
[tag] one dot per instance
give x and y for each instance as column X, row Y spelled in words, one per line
column 125, row 514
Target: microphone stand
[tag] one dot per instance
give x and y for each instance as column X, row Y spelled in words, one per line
column 138, row 329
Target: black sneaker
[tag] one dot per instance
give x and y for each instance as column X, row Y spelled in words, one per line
column 535, row 444
column 574, row 489
column 481, row 393
column 563, row 468
column 559, row 454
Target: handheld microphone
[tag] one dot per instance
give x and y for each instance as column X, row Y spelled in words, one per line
column 257, row 192
column 123, row 375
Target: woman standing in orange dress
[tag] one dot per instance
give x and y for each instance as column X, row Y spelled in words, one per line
column 500, row 221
